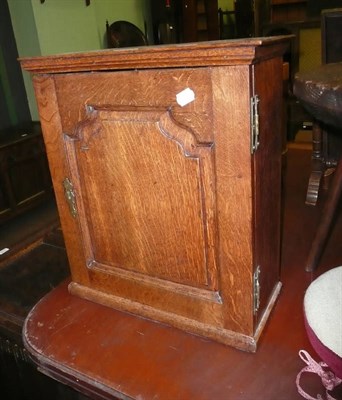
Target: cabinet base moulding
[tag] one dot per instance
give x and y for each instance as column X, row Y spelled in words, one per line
column 221, row 335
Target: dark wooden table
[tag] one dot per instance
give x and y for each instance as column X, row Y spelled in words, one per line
column 320, row 92
column 36, row 263
column 108, row 354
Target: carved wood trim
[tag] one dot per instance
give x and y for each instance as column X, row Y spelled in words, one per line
column 233, row 52
column 84, row 137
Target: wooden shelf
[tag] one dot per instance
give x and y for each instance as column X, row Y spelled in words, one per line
column 288, row 10
column 286, row 2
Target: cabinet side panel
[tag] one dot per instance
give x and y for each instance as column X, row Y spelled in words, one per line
column 53, row 137
column 267, row 177
column 231, row 92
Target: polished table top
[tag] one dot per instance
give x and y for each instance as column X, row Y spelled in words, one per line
column 320, row 92
column 107, row 354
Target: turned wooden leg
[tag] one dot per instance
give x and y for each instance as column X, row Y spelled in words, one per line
column 318, row 166
column 324, row 225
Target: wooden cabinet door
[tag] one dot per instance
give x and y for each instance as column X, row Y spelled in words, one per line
column 162, row 204
column 141, row 171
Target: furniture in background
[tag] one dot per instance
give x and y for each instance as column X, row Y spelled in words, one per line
column 226, row 24
column 244, row 18
column 320, row 92
column 303, row 53
column 287, row 10
column 24, row 173
column 331, row 26
column 166, row 19
column 326, row 141
column 166, row 163
column 200, row 20
column 24, row 279
column 124, row 34
column 301, row 18
column 183, row 21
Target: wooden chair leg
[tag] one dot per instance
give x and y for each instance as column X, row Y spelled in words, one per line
column 322, row 232
column 318, row 165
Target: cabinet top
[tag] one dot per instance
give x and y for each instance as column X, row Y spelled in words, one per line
column 213, row 53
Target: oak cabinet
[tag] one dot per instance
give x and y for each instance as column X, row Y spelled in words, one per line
column 166, row 164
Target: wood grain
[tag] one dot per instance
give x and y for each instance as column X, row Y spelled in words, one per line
column 174, row 212
column 223, row 52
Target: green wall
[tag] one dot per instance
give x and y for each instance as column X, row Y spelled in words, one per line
column 226, row 4
column 65, row 26
column 61, row 26
column 26, row 37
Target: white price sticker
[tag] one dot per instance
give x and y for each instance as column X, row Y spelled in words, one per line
column 185, row 97
column 3, row 251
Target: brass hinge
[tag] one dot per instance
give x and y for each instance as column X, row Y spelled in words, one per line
column 256, row 290
column 254, row 123
column 70, row 197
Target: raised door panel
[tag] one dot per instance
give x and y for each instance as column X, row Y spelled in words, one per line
column 146, row 188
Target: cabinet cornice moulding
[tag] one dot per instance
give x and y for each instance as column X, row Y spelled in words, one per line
column 215, row 53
